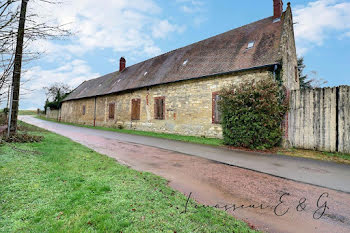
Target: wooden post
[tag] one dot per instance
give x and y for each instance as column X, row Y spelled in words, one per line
column 16, row 79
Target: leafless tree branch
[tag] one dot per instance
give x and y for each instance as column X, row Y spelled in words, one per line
column 35, row 29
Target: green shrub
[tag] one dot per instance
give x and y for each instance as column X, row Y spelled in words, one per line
column 252, row 114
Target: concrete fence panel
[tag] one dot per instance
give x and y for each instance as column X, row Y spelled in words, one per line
column 319, row 119
column 344, row 119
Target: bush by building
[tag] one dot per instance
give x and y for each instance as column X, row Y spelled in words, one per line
column 252, row 114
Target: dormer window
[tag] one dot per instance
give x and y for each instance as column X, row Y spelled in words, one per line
column 250, row 44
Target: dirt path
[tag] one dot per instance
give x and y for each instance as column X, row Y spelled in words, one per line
column 213, row 183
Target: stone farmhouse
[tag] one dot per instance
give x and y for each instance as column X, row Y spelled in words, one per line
column 177, row 92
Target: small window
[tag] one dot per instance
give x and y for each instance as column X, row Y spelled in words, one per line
column 296, row 74
column 135, row 109
column 84, row 109
column 111, row 111
column 216, row 116
column 250, row 45
column 185, row 62
column 159, row 108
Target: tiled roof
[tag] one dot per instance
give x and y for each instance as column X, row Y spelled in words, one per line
column 223, row 53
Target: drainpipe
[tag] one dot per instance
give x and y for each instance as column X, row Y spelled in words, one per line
column 274, row 71
column 95, row 113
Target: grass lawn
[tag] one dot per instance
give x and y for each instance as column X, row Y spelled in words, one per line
column 319, row 155
column 326, row 156
column 27, row 112
column 58, row 185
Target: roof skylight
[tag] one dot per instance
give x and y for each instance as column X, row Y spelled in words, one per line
column 250, row 44
column 276, row 20
column 145, row 73
column 185, row 62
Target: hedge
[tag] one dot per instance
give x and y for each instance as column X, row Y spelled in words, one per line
column 252, row 114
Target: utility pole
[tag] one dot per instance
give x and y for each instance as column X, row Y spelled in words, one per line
column 16, row 79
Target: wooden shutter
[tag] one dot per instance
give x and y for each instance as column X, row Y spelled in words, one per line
column 111, row 110
column 159, row 108
column 155, row 108
column 216, row 115
column 135, row 109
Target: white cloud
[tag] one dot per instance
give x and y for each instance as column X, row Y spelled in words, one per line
column 195, row 9
column 163, row 28
column 191, row 6
column 199, row 20
column 320, row 20
column 36, row 78
column 122, row 26
column 118, row 25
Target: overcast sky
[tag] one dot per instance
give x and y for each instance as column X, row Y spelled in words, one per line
column 141, row 29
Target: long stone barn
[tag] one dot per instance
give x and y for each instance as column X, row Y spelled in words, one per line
column 177, row 92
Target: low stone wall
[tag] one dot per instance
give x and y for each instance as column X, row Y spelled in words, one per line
column 52, row 114
column 320, row 119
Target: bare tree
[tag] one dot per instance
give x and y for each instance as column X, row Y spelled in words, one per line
column 316, row 81
column 9, row 14
column 310, row 80
column 33, row 29
column 57, row 90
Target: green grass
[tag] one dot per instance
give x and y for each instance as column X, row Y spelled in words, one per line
column 192, row 139
column 27, row 112
column 319, row 155
column 58, row 185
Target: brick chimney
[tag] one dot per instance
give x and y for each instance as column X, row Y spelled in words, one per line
column 277, row 8
column 122, row 64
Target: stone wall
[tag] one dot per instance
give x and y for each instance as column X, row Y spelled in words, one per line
column 188, row 106
column 52, row 114
column 288, row 52
column 320, row 119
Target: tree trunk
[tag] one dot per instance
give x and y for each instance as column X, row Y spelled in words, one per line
column 18, row 67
